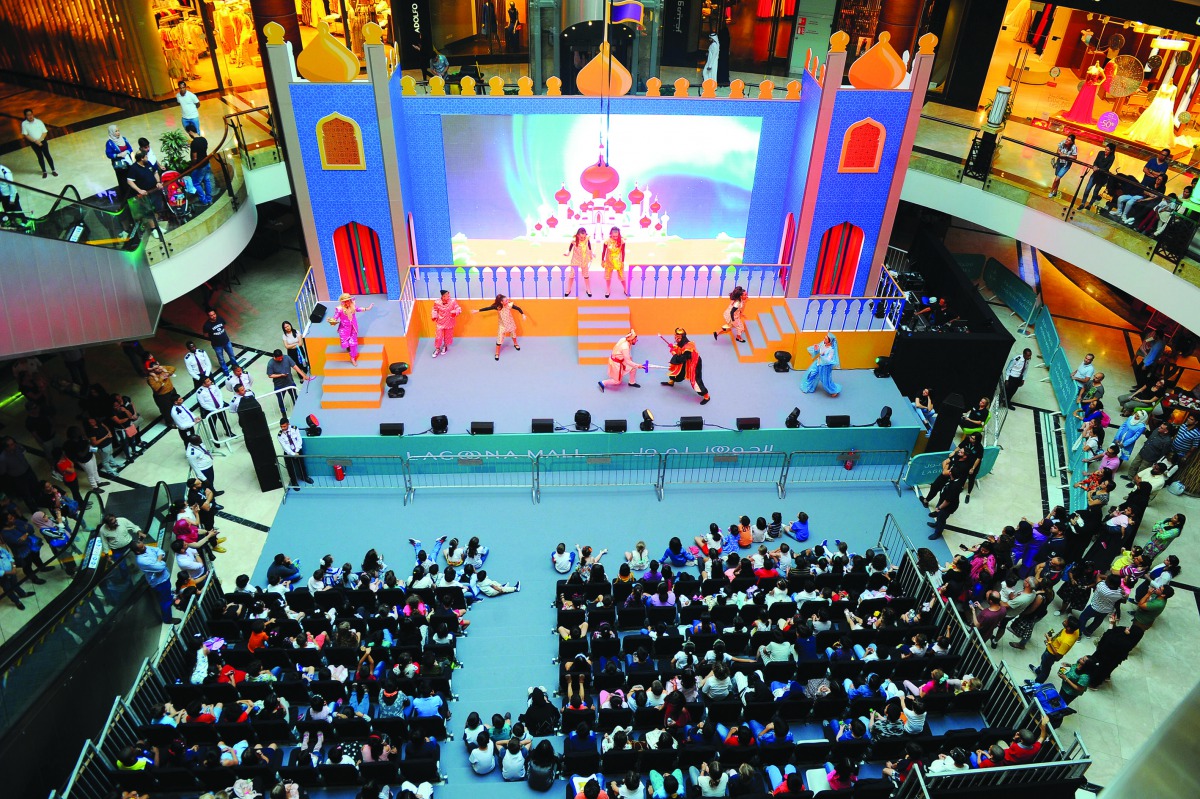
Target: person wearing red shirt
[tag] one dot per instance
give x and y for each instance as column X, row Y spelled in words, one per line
column 1025, row 745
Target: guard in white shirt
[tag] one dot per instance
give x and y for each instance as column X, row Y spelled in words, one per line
column 201, row 462
column 240, row 392
column 293, row 446
column 198, row 364
column 211, row 401
column 1014, row 377
column 239, row 377
column 183, row 419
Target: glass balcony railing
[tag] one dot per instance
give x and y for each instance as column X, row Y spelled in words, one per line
column 1020, row 169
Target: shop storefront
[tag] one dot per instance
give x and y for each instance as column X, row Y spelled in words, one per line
column 209, row 43
column 1100, row 75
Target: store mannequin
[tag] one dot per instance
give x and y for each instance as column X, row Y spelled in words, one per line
column 512, row 39
column 1083, row 109
column 714, row 56
column 723, row 63
column 1156, row 126
column 487, row 25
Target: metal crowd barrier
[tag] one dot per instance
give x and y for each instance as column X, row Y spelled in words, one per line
column 408, row 474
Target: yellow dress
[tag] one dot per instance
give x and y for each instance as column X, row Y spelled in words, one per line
column 614, row 258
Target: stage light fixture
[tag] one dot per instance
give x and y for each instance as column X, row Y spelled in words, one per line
column 885, row 417
column 793, row 418
column 647, row 421
column 438, row 425
column 583, row 421
column 398, row 368
column 314, row 426
column 395, row 381
column 395, row 392
column 883, row 366
column 783, row 361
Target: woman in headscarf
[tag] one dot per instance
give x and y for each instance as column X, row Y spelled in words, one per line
column 1130, row 433
column 825, row 360
column 346, row 320
column 120, row 154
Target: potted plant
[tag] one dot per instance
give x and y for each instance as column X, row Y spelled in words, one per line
column 174, row 151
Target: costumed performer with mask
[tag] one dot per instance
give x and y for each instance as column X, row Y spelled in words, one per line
column 685, row 364
column 621, row 363
column 346, row 320
column 825, row 360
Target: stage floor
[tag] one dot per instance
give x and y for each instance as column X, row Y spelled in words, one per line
column 545, row 380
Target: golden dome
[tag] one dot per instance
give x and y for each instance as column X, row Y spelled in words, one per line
column 878, row 68
column 326, row 60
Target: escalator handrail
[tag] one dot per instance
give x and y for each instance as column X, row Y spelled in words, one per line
column 91, row 496
column 62, row 195
column 95, row 565
column 154, row 504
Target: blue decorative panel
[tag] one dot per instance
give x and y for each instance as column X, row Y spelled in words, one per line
column 858, row 198
column 342, row 196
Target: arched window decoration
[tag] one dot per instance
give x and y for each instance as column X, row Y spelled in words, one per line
column 339, row 140
column 862, row 147
column 837, row 259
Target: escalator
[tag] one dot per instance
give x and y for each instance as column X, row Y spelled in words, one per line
column 59, row 673
column 76, row 267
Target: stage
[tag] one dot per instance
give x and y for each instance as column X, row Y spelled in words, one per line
column 545, row 380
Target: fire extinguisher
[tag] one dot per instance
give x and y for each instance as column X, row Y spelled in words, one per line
column 339, row 472
column 848, row 465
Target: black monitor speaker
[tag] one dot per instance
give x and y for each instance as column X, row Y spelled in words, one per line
column 482, row 428
column 691, row 422
column 616, row 425
column 438, row 425
column 317, row 313
column 840, row 420
column 543, row 425
column 391, row 428
column 748, row 423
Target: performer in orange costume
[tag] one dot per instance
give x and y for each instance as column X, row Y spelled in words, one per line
column 685, row 364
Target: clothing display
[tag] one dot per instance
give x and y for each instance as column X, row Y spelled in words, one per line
column 182, row 43
column 1156, row 126
column 362, row 13
column 1083, row 109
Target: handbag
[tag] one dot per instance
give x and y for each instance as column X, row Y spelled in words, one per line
column 131, row 430
column 1022, row 626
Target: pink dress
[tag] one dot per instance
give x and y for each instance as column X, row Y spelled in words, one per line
column 1082, row 110
column 444, row 315
column 347, row 325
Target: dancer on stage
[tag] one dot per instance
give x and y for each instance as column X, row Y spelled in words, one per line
column 346, row 319
column 445, row 312
column 825, row 360
column 613, row 258
column 581, row 258
column 504, row 307
column 734, row 315
column 621, row 363
column 685, row 364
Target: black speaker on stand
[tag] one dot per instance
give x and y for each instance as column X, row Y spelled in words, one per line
column 950, row 412
column 260, row 443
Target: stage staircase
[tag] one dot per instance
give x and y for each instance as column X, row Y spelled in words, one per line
column 347, row 386
column 766, row 332
column 601, row 323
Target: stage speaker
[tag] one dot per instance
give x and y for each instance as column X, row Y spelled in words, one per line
column 691, row 422
column 543, row 425
column 885, row 417
column 583, row 421
column 783, row 361
column 748, row 423
column 793, row 419
column 840, row 420
column 260, row 443
column 396, row 380
column 398, row 368
column 391, row 428
column 950, row 412
column 317, row 313
column 482, row 428
column 616, row 425
column 396, row 392
column 438, row 425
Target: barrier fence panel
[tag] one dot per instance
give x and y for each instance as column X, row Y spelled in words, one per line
column 707, row 468
column 1065, row 389
column 1046, row 333
column 615, row 469
column 846, row 466
column 892, row 539
column 358, row 471
column 1011, row 290
column 469, row 471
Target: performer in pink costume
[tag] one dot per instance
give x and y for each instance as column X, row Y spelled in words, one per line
column 445, row 312
column 621, row 363
column 504, row 307
column 346, row 319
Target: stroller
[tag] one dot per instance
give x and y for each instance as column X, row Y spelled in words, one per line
column 1048, row 700
column 176, row 198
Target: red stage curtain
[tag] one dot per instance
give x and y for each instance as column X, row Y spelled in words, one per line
column 837, row 260
column 359, row 259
